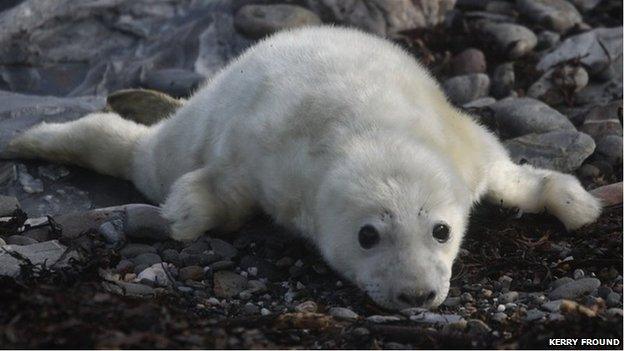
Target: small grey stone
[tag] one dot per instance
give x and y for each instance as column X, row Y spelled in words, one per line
column 223, row 249
column 53, row 172
column 559, row 282
column 466, row 88
column 547, row 39
column 171, row 256
column 521, row 116
column 307, row 306
column 8, row 204
column 343, row 313
column 198, row 259
column 615, row 312
column 552, row 306
column 147, row 258
column 479, row 103
column 451, row 301
column 250, row 309
column 155, row 274
column 28, row 182
column 436, row 318
column 534, row 315
column 499, row 317
column 468, row 61
column 503, row 80
column 477, row 326
column 382, row 319
column 124, row 266
column 8, row 172
column 508, row 297
column 610, row 146
column 133, row 250
column 257, row 21
column 20, row 240
column 256, row 286
column 222, row 265
column 586, row 5
column 466, row 297
column 512, row 40
column 562, row 151
column 361, row 331
column 575, row 288
column 614, row 299
column 558, row 83
column 228, row 284
column 558, row 15
column 191, row 273
column 578, row 274
column 145, row 222
column 135, row 289
column 196, row 248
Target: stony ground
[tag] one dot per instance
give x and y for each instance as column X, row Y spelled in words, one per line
column 77, row 273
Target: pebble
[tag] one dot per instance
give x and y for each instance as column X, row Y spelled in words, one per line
column 124, row 266
column 198, row 259
column 559, row 282
column 223, row 248
column 499, row 317
column 146, row 222
column 479, row 103
column 552, row 306
column 147, row 258
column 191, row 273
column 133, row 250
column 284, row 262
column 562, row 151
column 466, row 88
column 534, row 315
column 575, row 288
column 30, row 184
column 451, row 301
column 53, row 172
column 615, row 312
column 500, row 308
column 2, row 242
column 228, row 284
column 435, row 318
column 578, row 274
column 257, row 21
column 547, row 39
column 468, row 61
column 307, row 306
column 382, row 319
column 135, row 289
column 250, row 308
column 20, row 240
column 256, row 286
column 196, row 248
column 343, row 313
column 558, row 84
column 265, row 312
column 171, row 256
column 613, row 299
column 221, row 265
column 503, row 80
column 508, row 297
column 510, row 39
column 8, row 204
column 361, row 331
column 466, row 297
column 154, row 274
column 521, row 116
column 557, row 15
column 477, row 326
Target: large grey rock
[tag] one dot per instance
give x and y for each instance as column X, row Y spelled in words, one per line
column 520, row 116
column 509, row 39
column 561, row 151
column 575, row 289
column 558, row 15
column 597, row 50
column 466, row 88
column 49, row 253
column 257, row 21
column 381, row 16
column 228, row 284
column 610, row 147
column 8, row 204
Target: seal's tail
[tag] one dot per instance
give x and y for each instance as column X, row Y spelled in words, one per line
column 104, row 142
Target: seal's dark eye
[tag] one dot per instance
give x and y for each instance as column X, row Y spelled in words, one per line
column 441, row 232
column 368, row 236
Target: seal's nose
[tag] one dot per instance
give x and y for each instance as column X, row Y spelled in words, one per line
column 416, row 299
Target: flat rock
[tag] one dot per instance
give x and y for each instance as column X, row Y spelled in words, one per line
column 466, row 88
column 134, row 250
column 48, row 253
column 343, row 313
column 145, row 222
column 436, row 318
column 228, row 284
column 575, row 289
column 520, row 116
column 8, row 204
column 223, row 248
column 143, row 106
column 558, row 15
column 596, row 49
column 383, row 319
column 257, row 21
column 191, row 273
column 560, row 151
column 510, row 39
column 20, row 240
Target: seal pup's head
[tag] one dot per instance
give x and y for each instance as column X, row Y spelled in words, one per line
column 391, row 217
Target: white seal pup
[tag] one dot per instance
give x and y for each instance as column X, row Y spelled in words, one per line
column 338, row 134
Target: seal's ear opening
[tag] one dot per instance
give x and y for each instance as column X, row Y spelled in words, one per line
column 368, row 237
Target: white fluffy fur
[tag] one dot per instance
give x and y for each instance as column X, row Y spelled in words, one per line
column 326, row 130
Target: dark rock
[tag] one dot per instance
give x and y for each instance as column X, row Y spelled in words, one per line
column 171, row 256
column 191, row 273
column 477, row 326
column 145, row 222
column 503, row 80
column 609, row 195
column 124, row 266
column 223, row 248
column 468, row 61
column 602, row 120
column 197, row 247
column 575, row 289
column 610, row 146
column 520, row 116
column 46, row 253
column 614, row 299
column 177, row 82
column 559, row 84
column 20, row 240
column 257, row 21
column 222, row 265
column 133, row 250
column 534, row 315
column 547, row 40
column 512, row 40
column 228, row 284
column 53, row 172
column 198, row 259
column 265, row 268
column 8, row 204
column 558, row 15
column 382, row 17
column 147, row 258
column 112, row 231
column 561, row 151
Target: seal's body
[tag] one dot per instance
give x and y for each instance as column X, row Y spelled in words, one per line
column 335, row 133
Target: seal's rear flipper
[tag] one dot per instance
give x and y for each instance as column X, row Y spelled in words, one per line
column 103, row 142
